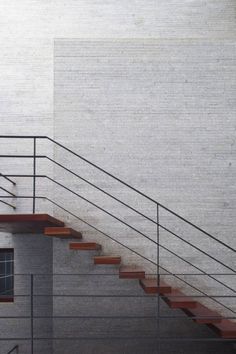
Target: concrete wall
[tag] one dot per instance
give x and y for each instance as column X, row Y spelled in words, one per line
column 191, row 30
column 151, row 112
column 32, row 255
column 108, row 314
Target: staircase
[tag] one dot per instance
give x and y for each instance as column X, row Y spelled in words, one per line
column 156, row 285
column 174, row 298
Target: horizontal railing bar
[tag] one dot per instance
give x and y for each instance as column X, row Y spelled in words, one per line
column 210, row 296
column 170, row 318
column 121, row 338
column 165, row 339
column 118, row 317
column 8, row 179
column 141, row 337
column 161, row 274
column 23, row 156
column 112, row 274
column 10, row 205
column 23, row 136
column 120, row 295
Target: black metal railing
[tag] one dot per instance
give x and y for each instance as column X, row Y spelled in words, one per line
column 7, row 191
column 38, row 298
column 35, row 176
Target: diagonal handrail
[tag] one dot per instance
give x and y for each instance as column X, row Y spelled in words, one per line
column 133, row 228
column 112, row 176
column 177, row 276
column 35, row 156
column 8, row 204
column 7, row 191
column 8, row 179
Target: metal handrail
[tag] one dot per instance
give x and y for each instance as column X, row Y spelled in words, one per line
column 131, row 227
column 110, row 175
column 137, row 253
column 8, row 204
column 7, row 191
column 8, row 179
column 34, row 337
column 34, row 176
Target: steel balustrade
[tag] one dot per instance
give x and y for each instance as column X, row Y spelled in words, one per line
column 35, row 176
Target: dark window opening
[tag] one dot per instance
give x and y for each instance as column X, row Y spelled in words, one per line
column 6, row 275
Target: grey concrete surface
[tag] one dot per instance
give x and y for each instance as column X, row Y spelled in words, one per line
column 32, row 255
column 172, row 123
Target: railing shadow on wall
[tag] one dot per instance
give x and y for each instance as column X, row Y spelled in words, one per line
column 15, row 349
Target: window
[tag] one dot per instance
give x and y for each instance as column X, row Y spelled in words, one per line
column 6, row 274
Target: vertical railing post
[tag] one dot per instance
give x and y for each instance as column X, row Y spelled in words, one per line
column 34, row 174
column 158, row 280
column 32, row 312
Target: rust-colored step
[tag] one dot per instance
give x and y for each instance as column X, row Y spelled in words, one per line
column 27, row 223
column 151, row 286
column 131, row 273
column 62, row 232
column 225, row 329
column 84, row 246
column 203, row 315
column 5, row 298
column 107, row 260
column 177, row 300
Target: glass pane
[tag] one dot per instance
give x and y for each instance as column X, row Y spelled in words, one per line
column 6, row 272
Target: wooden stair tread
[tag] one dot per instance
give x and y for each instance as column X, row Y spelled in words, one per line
column 127, row 272
column 225, row 329
column 203, row 314
column 27, row 223
column 62, row 232
column 151, row 286
column 84, row 246
column 107, row 260
column 177, row 300
column 6, row 298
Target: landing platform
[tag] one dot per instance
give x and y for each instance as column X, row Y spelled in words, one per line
column 27, row 223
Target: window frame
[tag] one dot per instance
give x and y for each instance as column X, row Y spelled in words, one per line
column 6, row 298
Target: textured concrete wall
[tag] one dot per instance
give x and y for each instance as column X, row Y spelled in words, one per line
column 28, row 30
column 32, row 255
column 150, row 111
column 108, row 314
